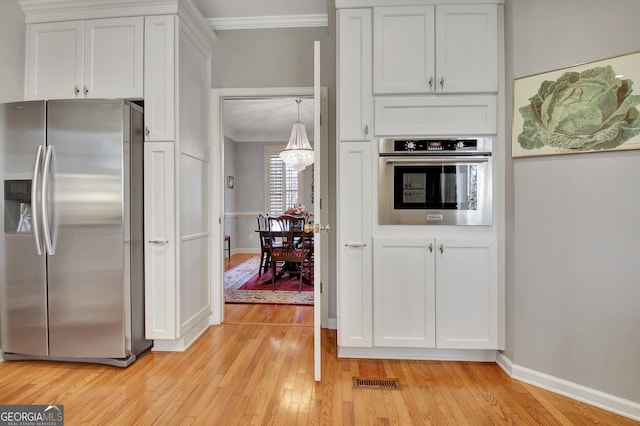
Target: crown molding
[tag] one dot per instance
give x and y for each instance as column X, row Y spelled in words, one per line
column 256, row 22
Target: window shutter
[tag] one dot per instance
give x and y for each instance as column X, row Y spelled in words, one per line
column 284, row 185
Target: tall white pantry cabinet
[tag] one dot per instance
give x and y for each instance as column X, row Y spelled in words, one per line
column 159, row 52
column 423, row 69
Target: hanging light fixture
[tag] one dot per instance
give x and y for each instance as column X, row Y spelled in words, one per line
column 298, row 152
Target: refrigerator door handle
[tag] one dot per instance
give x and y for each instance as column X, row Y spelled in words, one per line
column 45, row 207
column 35, row 221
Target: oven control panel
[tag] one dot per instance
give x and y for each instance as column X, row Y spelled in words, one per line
column 434, row 145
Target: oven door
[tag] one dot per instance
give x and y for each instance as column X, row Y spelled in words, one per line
column 444, row 190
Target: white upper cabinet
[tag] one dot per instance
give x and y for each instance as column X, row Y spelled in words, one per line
column 99, row 58
column 403, row 49
column 160, row 77
column 113, row 58
column 354, row 68
column 55, row 60
column 435, row 49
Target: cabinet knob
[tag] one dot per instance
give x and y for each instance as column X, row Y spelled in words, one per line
column 441, row 248
column 366, row 129
column 147, row 132
column 430, row 82
column 430, row 247
column 85, row 89
column 75, row 89
column 442, row 82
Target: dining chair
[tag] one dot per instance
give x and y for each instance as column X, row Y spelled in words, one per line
column 285, row 234
column 265, row 245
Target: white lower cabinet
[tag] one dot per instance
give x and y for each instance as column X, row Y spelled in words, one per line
column 467, row 294
column 431, row 292
column 403, row 293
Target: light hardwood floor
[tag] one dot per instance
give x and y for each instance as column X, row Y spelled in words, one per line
column 257, row 368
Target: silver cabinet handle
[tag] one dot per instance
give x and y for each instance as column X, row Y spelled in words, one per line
column 430, row 247
column 85, row 90
column 159, row 241
column 442, row 82
column 355, row 245
column 48, row 242
column 35, row 221
column 75, row 89
column 441, row 248
column 366, row 129
column 430, row 82
column 437, row 160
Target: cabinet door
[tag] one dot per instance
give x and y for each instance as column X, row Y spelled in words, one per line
column 467, row 294
column 160, row 77
column 160, row 244
column 403, row 49
column 55, row 58
column 113, row 58
column 466, row 48
column 436, row 115
column 354, row 72
column 354, row 245
column 404, row 293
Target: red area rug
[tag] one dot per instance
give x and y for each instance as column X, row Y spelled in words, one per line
column 242, row 285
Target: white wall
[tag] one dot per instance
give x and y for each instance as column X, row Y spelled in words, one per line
column 12, row 46
column 574, row 273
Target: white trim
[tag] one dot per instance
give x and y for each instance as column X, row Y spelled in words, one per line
column 421, row 354
column 332, row 323
column 617, row 405
column 373, row 3
column 255, row 22
column 229, row 215
column 183, row 343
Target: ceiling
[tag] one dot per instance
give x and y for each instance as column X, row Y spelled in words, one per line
column 264, row 120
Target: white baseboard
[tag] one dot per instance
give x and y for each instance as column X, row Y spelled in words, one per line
column 418, row 354
column 332, row 323
column 182, row 344
column 621, row 406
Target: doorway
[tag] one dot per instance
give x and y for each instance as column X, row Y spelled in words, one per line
column 219, row 180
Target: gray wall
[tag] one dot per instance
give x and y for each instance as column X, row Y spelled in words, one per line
column 574, row 234
column 12, row 42
column 246, row 160
column 283, row 58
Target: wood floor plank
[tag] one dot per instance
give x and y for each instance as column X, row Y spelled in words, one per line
column 244, row 373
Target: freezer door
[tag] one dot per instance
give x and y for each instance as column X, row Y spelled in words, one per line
column 84, row 208
column 23, row 289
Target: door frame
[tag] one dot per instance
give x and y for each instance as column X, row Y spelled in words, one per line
column 216, row 162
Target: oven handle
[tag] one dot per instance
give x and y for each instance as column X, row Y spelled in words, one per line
column 436, row 160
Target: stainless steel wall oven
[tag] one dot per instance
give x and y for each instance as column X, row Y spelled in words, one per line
column 435, row 181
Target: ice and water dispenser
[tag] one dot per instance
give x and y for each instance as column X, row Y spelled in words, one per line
column 17, row 206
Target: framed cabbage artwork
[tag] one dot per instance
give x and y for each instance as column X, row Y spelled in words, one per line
column 586, row 108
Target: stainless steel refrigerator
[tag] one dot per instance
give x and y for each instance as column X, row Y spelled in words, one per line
column 71, row 250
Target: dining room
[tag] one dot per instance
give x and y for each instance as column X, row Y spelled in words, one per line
column 260, row 188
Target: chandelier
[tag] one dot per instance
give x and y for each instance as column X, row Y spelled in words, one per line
column 298, row 152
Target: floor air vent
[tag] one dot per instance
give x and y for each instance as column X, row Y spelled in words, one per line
column 375, row 383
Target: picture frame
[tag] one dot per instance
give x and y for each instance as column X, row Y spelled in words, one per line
column 230, row 182
column 592, row 107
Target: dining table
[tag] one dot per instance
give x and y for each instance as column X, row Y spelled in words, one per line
column 304, row 238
